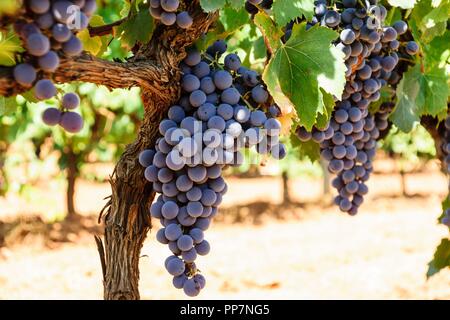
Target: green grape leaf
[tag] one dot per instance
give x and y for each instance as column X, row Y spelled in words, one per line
column 404, row 4
column 445, row 206
column 441, row 259
column 430, row 33
column 406, row 112
column 212, row 5
column 437, row 52
column 301, row 67
column 125, row 9
column 309, row 149
column 435, row 19
column 269, row 30
column 433, row 94
column 9, row 45
column 420, row 92
column 29, row 96
column 233, row 19
column 429, row 20
column 259, row 48
column 7, row 105
column 137, row 28
column 324, row 116
column 236, row 4
column 286, row 10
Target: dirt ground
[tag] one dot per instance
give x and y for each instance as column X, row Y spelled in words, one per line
column 314, row 252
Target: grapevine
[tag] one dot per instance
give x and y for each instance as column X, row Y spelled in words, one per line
column 48, row 30
column 348, row 142
column 223, row 109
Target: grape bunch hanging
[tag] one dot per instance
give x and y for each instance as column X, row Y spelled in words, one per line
column 371, row 52
column 223, row 108
column 166, row 12
column 48, row 31
column 446, row 151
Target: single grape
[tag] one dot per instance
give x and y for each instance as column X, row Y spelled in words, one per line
column 223, row 79
column 203, row 248
column 260, row 94
column 197, row 98
column 412, row 48
column 175, row 266
column 241, row 114
column 184, row 20
column 51, row 116
column 230, row 96
column 24, row 74
column 191, row 288
column 37, row 44
column 232, row 62
column 173, row 232
column 170, row 5
column 71, row 122
column 70, row 101
column 400, row 26
column 190, row 83
column 44, row 89
column 73, row 46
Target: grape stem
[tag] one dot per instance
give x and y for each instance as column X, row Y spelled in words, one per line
column 105, row 29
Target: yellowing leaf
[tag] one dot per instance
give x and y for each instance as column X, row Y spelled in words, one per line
column 9, row 46
column 91, row 44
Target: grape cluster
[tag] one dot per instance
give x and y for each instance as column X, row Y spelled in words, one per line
column 446, row 151
column 48, row 31
column 223, row 108
column 166, row 12
column 348, row 142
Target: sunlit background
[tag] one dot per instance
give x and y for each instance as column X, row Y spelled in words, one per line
column 278, row 235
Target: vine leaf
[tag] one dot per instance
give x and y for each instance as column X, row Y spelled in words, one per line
column 137, row 28
column 7, row 105
column 96, row 45
column 432, row 98
column 286, row 10
column 420, row 93
column 309, row 149
column 233, row 19
column 405, row 113
column 212, row 5
column 441, row 258
column 301, row 67
column 9, row 45
column 236, row 4
column 404, row 4
column 430, row 18
column 269, row 30
column 436, row 17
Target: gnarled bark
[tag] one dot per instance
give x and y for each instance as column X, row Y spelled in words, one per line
column 127, row 219
column 154, row 68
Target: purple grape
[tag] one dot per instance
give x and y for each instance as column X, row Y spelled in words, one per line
column 37, row 44
column 49, row 62
column 71, row 122
column 51, row 116
column 25, row 74
column 70, row 101
column 73, row 46
column 44, row 89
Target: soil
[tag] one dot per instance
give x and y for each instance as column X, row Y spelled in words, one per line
column 261, row 248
